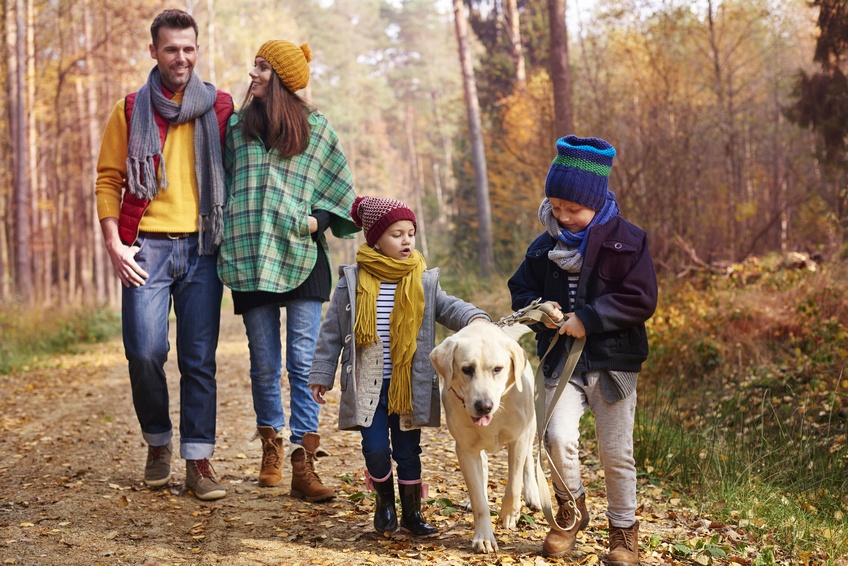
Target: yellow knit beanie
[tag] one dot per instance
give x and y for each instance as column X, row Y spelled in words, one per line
column 289, row 61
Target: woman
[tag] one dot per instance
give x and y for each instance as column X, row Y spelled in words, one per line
column 287, row 182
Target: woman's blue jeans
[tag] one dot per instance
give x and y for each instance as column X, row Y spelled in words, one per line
column 176, row 274
column 262, row 325
column 404, row 447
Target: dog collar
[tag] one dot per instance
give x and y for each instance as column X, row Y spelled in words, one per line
column 461, row 400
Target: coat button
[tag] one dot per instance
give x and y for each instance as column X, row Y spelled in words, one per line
column 617, row 245
column 347, row 339
column 555, row 275
column 347, row 307
column 348, row 369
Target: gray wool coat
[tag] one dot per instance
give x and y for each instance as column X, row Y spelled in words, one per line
column 361, row 372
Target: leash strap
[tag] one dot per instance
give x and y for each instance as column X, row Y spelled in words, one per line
column 539, row 313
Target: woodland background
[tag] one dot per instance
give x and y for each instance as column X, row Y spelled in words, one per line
column 727, row 115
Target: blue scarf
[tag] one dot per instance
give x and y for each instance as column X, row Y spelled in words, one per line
column 578, row 239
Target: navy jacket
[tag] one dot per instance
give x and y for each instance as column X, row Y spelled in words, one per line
column 616, row 294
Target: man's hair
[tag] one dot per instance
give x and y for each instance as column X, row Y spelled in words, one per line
column 176, row 19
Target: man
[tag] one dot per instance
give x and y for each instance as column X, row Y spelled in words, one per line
column 160, row 192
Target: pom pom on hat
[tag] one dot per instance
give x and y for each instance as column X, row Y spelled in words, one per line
column 374, row 215
column 289, row 61
column 580, row 171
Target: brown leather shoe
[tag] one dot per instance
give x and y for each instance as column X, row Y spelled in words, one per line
column 624, row 546
column 305, row 482
column 271, row 471
column 558, row 542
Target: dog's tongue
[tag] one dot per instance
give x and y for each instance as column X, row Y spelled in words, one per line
column 482, row 421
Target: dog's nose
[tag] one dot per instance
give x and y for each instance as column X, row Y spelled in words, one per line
column 483, row 407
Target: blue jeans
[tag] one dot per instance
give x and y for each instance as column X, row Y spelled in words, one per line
column 405, row 445
column 178, row 276
column 262, row 325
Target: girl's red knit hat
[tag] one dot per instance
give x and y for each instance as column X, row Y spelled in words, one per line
column 374, row 215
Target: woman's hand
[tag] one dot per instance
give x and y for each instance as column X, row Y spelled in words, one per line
column 318, row 391
column 313, row 224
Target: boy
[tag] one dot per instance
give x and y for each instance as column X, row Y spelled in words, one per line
column 595, row 268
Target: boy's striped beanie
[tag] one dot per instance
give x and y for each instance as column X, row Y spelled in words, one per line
column 580, row 171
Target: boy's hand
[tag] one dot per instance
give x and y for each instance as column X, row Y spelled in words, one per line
column 318, row 392
column 554, row 314
column 573, row 326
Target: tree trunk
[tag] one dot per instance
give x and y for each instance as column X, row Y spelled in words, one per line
column 514, row 32
column 209, row 56
column 23, row 253
column 6, row 163
column 449, row 184
column 484, row 212
column 96, row 236
column 727, row 125
column 421, row 234
column 560, row 70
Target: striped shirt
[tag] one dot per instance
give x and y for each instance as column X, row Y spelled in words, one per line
column 573, row 279
column 385, row 303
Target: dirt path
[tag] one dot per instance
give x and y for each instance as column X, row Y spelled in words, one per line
column 71, row 460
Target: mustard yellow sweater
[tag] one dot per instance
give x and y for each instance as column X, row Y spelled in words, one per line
column 174, row 209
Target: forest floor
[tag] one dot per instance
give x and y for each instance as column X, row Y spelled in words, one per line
column 71, row 491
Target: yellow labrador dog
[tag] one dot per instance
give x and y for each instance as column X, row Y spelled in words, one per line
column 488, row 398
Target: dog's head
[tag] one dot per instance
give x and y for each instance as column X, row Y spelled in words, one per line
column 480, row 362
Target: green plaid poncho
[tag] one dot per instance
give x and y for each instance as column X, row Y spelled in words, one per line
column 267, row 244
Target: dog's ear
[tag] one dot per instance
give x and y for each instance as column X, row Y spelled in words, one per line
column 442, row 359
column 519, row 360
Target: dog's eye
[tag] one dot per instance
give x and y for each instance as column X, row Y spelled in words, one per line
column 497, row 369
column 468, row 370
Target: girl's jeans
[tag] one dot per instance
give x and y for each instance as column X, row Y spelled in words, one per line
column 614, row 432
column 405, row 445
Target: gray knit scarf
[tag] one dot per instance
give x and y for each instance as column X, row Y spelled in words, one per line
column 568, row 258
column 198, row 102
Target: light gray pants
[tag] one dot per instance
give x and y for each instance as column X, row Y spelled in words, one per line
column 614, row 432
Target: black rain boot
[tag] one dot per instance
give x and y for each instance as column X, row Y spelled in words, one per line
column 411, row 517
column 385, row 515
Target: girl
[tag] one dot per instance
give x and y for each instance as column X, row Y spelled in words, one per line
column 382, row 321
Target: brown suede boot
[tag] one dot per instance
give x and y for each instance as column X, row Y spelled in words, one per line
column 305, row 482
column 271, row 471
column 558, row 542
column 624, row 546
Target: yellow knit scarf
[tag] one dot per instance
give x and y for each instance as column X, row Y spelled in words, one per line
column 404, row 322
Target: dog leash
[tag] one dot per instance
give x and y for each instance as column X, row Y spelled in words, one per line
column 537, row 312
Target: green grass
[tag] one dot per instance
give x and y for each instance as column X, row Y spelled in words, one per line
column 28, row 336
column 743, row 406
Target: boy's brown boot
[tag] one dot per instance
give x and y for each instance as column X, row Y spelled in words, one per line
column 558, row 542
column 305, row 482
column 271, row 471
column 624, row 546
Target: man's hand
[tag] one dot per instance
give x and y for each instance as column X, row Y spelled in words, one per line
column 123, row 260
column 121, row 255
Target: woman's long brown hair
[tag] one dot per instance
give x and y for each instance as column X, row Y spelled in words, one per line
column 279, row 121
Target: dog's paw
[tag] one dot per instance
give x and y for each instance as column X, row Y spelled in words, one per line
column 510, row 520
column 533, row 501
column 484, row 545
